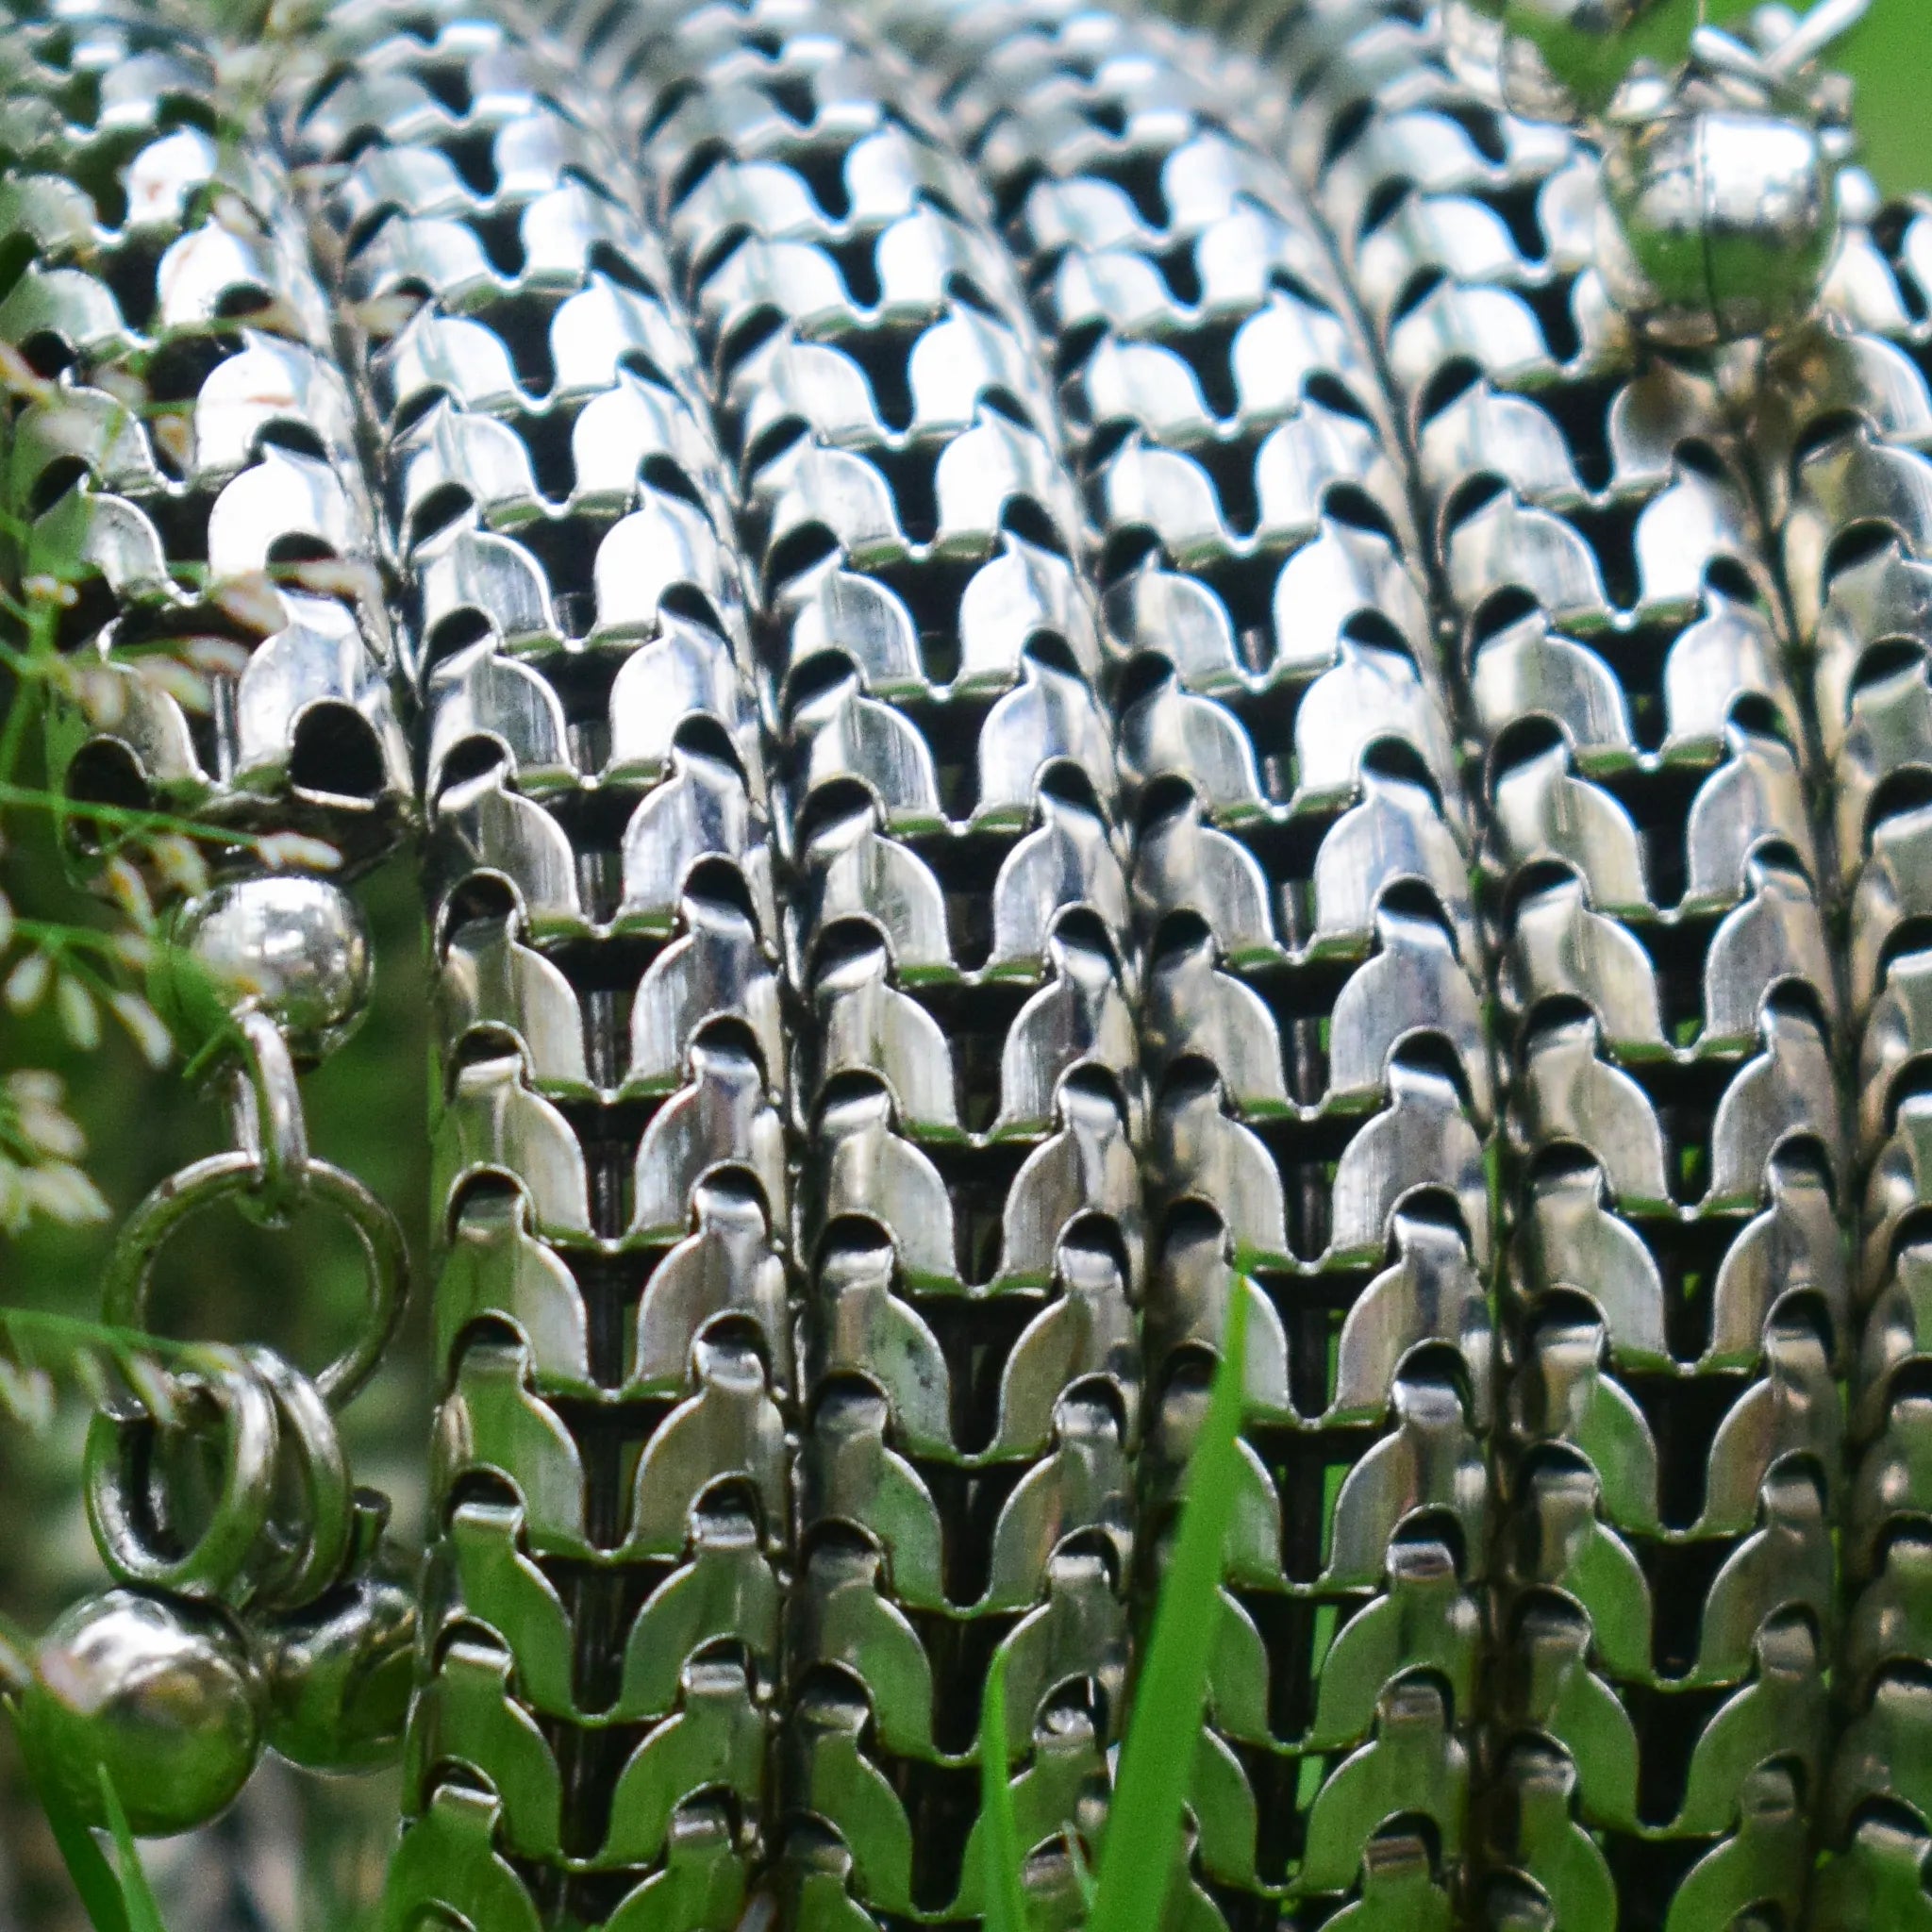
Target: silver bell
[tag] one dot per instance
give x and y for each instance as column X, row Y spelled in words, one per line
column 1716, row 224
column 339, row 1669
column 160, row 1691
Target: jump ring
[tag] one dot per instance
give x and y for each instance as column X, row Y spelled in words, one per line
column 269, row 1123
column 326, row 1520
column 214, row 1564
column 130, row 1267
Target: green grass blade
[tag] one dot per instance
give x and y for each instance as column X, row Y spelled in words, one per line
column 1083, row 1874
column 144, row 1914
column 93, row 1878
column 999, row 1831
column 1143, row 1832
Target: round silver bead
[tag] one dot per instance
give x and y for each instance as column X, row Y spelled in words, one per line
column 339, row 1672
column 160, row 1691
column 297, row 948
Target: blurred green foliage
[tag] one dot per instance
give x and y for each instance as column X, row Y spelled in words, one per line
column 225, row 1278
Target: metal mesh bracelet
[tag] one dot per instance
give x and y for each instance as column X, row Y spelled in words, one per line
column 610, row 1477
column 967, row 1089
column 1064, row 670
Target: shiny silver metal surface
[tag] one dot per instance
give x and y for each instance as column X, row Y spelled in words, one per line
column 966, row 1089
column 159, row 1691
column 1063, row 670
column 1842, row 417
column 1718, row 215
column 294, row 948
column 191, row 463
column 1669, row 1010
column 610, row 1469
column 1320, row 1089
column 336, row 1670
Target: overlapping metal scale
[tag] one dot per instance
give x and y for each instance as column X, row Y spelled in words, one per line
column 1842, row 422
column 1320, row 1078
column 610, row 1474
column 181, row 451
column 1669, row 1013
column 967, row 1093
column 1061, row 670
column 965, row 1083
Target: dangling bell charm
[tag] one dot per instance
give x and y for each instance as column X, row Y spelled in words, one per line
column 338, row 1670
column 161, row 1693
column 1716, row 224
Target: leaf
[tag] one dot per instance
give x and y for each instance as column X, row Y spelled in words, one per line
column 152, row 1040
column 28, row 982
column 26, row 1395
column 999, row 1832
column 152, row 1387
column 37, row 1348
column 81, row 1019
column 1143, row 1831
column 93, row 1878
column 62, row 1193
column 137, row 1896
column 1083, row 1873
column 287, row 850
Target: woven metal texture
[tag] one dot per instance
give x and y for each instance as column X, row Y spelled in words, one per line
column 1057, row 666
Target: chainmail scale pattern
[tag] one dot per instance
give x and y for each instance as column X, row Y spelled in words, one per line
column 1057, row 672
column 600, row 1627
column 1670, row 1455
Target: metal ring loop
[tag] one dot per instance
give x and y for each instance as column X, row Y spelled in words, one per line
column 266, row 1105
column 221, row 1176
column 325, row 1521
column 214, row 1563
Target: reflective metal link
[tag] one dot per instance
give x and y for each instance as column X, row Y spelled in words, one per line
column 1314, row 1039
column 1676, row 1284
column 182, row 486
column 967, row 1083
column 1843, row 418
column 189, row 467
column 1024, row 666
column 610, row 1474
